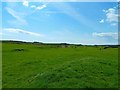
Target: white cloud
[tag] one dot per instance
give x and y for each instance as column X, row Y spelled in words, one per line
column 33, row 6
column 111, row 15
column 41, row 7
column 26, row 3
column 114, row 35
column 14, row 30
column 16, row 15
column 102, row 21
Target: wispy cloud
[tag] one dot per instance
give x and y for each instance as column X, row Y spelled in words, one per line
column 114, row 35
column 33, row 6
column 69, row 10
column 41, row 7
column 14, row 30
column 16, row 15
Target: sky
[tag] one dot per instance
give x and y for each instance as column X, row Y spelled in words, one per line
column 61, row 22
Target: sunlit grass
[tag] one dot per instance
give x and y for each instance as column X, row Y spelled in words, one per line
column 45, row 66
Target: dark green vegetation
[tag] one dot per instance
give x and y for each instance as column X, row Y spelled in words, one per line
column 52, row 66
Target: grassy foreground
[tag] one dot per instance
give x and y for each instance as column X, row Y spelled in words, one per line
column 40, row 66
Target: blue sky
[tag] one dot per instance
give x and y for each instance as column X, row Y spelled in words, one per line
column 69, row 22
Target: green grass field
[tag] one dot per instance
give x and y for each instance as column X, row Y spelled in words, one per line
column 40, row 66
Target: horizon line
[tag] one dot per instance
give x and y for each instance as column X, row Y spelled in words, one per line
column 55, row 42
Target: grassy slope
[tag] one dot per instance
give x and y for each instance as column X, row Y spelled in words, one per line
column 80, row 67
column 0, row 65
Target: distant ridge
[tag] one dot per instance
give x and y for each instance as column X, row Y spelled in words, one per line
column 41, row 43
